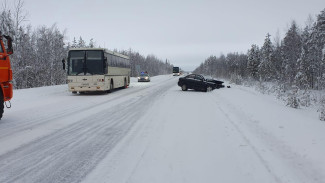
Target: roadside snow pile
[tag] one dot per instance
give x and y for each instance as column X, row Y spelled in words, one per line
column 293, row 97
column 322, row 109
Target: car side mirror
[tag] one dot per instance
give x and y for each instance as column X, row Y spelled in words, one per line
column 9, row 50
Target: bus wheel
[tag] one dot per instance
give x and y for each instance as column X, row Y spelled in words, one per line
column 125, row 84
column 1, row 104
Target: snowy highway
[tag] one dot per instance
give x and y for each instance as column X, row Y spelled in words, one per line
column 154, row 132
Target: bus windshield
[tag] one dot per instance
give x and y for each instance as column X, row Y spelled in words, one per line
column 95, row 64
column 85, row 62
column 175, row 69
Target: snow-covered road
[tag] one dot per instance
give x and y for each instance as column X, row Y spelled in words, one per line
column 154, row 132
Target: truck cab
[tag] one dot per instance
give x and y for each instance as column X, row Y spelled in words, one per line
column 5, row 71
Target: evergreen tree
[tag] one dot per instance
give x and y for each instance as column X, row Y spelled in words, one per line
column 291, row 49
column 74, row 43
column 303, row 76
column 91, row 43
column 322, row 74
column 253, row 62
column 315, row 46
column 267, row 69
column 293, row 100
column 81, row 43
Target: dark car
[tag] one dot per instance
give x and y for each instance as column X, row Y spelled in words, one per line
column 197, row 82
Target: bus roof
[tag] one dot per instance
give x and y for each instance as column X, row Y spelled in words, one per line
column 101, row 49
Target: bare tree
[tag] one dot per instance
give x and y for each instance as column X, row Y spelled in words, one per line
column 20, row 14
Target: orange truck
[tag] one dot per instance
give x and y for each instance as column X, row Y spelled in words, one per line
column 5, row 72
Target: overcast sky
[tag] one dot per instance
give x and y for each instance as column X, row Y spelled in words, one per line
column 185, row 32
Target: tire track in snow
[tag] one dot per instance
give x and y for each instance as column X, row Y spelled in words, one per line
column 254, row 149
column 69, row 154
column 66, row 110
column 279, row 148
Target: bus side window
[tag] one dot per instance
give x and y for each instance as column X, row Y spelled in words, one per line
column 110, row 62
column 114, row 61
column 1, row 50
column 120, row 62
column 124, row 63
column 109, row 59
column 127, row 63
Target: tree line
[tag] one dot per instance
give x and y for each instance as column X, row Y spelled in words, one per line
column 36, row 61
column 295, row 64
column 36, row 52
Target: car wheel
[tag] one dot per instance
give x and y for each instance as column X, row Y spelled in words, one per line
column 184, row 87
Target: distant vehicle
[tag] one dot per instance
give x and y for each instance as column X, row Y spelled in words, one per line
column 96, row 69
column 198, row 82
column 176, row 71
column 144, row 76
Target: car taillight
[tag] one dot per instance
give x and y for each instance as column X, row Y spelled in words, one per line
column 100, row 80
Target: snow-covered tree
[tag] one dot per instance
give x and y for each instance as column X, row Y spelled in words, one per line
column 303, row 76
column 253, row 62
column 91, row 43
column 315, row 46
column 81, row 43
column 293, row 100
column 74, row 43
column 267, row 70
column 291, row 49
column 149, row 63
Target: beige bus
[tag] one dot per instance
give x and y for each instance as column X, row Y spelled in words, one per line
column 97, row 69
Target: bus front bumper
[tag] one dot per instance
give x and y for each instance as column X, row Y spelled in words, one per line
column 78, row 88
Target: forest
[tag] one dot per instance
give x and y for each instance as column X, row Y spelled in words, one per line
column 292, row 68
